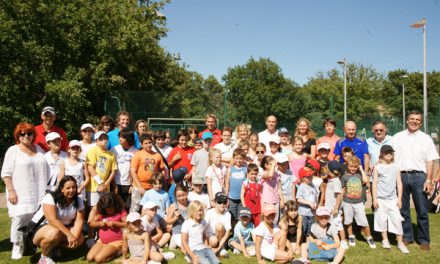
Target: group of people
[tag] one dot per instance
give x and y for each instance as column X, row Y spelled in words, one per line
column 275, row 195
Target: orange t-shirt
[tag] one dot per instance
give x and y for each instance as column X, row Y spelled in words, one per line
column 145, row 165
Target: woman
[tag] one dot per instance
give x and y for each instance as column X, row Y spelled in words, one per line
column 25, row 173
column 64, row 213
column 106, row 124
column 242, row 132
column 304, row 130
column 141, row 127
column 86, row 141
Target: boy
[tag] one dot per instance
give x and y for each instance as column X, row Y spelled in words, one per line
column 352, row 184
column 226, row 146
column 250, row 194
column 307, row 197
column 323, row 153
column 219, row 220
column 164, row 150
column 288, row 189
column 197, row 193
column 55, row 158
column 243, row 239
column 200, row 160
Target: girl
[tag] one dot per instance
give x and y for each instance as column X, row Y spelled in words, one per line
column 274, row 146
column 297, row 159
column 385, row 199
column 304, row 130
column 181, row 155
column 251, row 193
column 109, row 219
column 192, row 131
column 77, row 168
column 195, row 231
column 291, row 222
column 270, row 240
column 135, row 240
column 87, row 140
column 271, row 193
column 260, row 153
column 253, row 142
column 323, row 241
column 215, row 174
column 233, row 181
column 177, row 214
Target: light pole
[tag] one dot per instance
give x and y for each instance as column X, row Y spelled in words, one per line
column 403, row 100
column 225, row 107
column 422, row 24
column 344, row 63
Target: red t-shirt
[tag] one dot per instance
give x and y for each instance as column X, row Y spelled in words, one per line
column 40, row 137
column 216, row 136
column 185, row 154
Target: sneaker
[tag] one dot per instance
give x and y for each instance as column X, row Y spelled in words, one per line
column 344, row 244
column 236, row 251
column 187, row 258
column 17, row 251
column 402, row 248
column 223, row 253
column 45, row 260
column 90, row 242
column 168, row 255
column 371, row 243
column 352, row 241
column 386, row 244
column 251, row 252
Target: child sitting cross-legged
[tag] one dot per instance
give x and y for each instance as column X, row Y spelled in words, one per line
column 243, row 239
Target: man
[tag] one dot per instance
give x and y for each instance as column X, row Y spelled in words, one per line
column 123, row 119
column 211, row 126
column 379, row 139
column 359, row 147
column 271, row 132
column 330, row 137
column 49, row 116
column 414, row 155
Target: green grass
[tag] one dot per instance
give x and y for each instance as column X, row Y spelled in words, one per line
column 356, row 255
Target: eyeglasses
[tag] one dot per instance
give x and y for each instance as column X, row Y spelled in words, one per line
column 29, row 134
column 378, row 130
column 259, row 152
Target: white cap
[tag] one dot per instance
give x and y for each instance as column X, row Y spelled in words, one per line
column 49, row 109
column 133, row 217
column 87, row 125
column 52, row 135
column 275, row 140
column 98, row 134
column 74, row 143
column 280, row 158
column 149, row 205
column 324, row 145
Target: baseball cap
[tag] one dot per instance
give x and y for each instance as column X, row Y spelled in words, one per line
column 149, row 205
column 133, row 217
column 283, row 130
column 52, row 135
column 274, row 140
column 268, row 209
column 74, row 143
column 207, row 135
column 100, row 133
column 244, row 211
column 313, row 164
column 220, row 197
column 334, row 166
column 324, row 145
column 179, row 173
column 281, row 158
column 386, row 148
column 198, row 141
column 197, row 180
column 322, row 211
column 87, row 125
column 305, row 172
column 49, row 109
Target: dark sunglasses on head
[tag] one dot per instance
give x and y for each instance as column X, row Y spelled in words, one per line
column 22, row 134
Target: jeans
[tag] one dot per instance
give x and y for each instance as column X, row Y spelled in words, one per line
column 306, row 225
column 413, row 184
column 206, row 256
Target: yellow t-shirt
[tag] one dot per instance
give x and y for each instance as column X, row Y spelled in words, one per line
column 104, row 163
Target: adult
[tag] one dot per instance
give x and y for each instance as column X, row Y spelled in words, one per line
column 330, row 137
column 242, row 133
column 48, row 116
column 414, row 155
column 25, row 173
column 86, row 140
column 63, row 211
column 123, row 119
column 271, row 132
column 106, row 124
column 211, row 126
column 303, row 129
column 359, row 147
column 379, row 139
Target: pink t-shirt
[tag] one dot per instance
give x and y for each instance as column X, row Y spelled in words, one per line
column 295, row 165
column 107, row 234
column 270, row 192
column 331, row 141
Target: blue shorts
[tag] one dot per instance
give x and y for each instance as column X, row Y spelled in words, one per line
column 320, row 254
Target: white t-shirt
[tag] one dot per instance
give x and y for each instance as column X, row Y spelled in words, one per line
column 123, row 157
column 203, row 198
column 265, row 137
column 166, row 150
column 317, row 183
column 217, row 176
column 84, row 149
column 264, row 232
column 212, row 217
column 226, row 150
column 149, row 226
column 54, row 167
column 66, row 215
column 196, row 232
column 77, row 171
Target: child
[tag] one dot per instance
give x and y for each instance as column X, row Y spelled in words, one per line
column 192, row 131
column 245, row 146
column 86, row 139
column 215, row 174
column 260, row 151
column 235, row 177
column 270, row 240
column 307, row 198
column 316, row 180
column 177, row 214
column 109, row 219
column 55, row 159
column 291, row 222
column 200, row 160
column 226, row 147
column 323, row 242
column 286, row 147
column 159, row 141
column 197, row 193
column 271, row 193
column 219, row 220
column 181, row 155
column 198, row 144
column 287, row 186
column 333, row 199
column 135, row 240
column 253, row 142
column 297, row 159
column 250, row 194
column 323, row 152
column 243, row 239
column 76, row 167
column 385, row 199
column 274, row 147
column 195, row 231
column 353, row 205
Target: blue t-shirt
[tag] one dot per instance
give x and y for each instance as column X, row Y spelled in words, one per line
column 359, row 147
column 244, row 231
column 113, row 139
column 308, row 193
column 160, row 198
column 236, row 179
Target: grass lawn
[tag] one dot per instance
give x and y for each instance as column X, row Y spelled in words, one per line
column 357, row 255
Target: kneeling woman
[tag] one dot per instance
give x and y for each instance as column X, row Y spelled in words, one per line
column 64, row 213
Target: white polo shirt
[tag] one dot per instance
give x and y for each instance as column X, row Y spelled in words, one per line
column 265, row 137
column 413, row 150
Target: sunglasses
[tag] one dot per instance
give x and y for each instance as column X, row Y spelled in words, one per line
column 259, row 152
column 222, row 202
column 378, row 130
column 29, row 134
column 87, row 131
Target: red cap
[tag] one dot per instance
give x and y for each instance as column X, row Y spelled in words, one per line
column 314, row 165
column 305, row 172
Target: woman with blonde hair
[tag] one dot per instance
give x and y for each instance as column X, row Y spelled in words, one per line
column 242, row 132
column 305, row 131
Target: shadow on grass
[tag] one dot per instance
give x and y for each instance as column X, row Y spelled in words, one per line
column 66, row 255
column 5, row 245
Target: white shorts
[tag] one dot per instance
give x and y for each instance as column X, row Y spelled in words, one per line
column 93, row 198
column 177, row 239
column 336, row 222
column 268, row 252
column 357, row 211
column 387, row 217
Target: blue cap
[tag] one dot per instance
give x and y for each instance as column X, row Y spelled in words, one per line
column 179, row 174
column 207, row 135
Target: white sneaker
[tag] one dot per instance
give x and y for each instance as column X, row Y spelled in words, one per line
column 168, row 255
column 90, row 242
column 251, row 252
column 17, row 251
column 46, row 260
column 236, row 251
column 187, row 258
column 386, row 244
column 344, row 244
column 351, row 241
column 371, row 243
column 403, row 248
column 223, row 253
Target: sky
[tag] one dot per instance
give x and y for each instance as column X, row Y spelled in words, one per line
column 302, row 37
